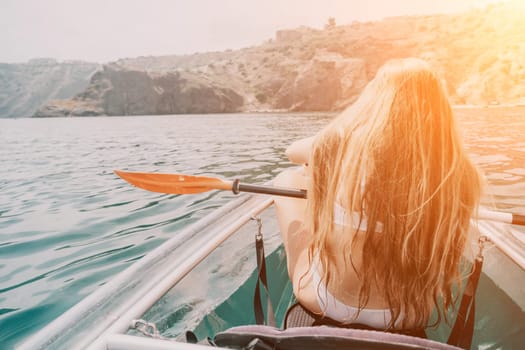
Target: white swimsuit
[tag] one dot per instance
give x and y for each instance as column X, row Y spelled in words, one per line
column 340, row 312
column 335, row 309
column 343, row 218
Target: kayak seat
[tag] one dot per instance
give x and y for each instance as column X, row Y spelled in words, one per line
column 259, row 337
column 298, row 316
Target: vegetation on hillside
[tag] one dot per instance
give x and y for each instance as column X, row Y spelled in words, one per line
column 480, row 54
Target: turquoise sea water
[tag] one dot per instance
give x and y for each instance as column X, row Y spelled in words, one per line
column 67, row 223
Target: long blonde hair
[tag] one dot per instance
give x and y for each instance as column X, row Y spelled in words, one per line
column 395, row 157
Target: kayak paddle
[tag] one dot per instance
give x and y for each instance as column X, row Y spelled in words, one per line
column 189, row 184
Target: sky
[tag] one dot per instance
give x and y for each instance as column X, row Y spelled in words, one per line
column 106, row 30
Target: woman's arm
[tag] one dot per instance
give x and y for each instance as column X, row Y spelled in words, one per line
column 299, row 151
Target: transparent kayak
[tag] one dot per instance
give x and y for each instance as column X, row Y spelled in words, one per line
column 203, row 281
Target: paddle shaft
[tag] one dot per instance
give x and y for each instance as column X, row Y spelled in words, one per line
column 483, row 213
column 237, row 187
column 509, row 218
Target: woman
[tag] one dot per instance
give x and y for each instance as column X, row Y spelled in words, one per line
column 391, row 192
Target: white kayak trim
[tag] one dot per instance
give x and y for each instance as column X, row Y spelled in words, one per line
column 163, row 270
column 130, row 342
column 505, row 238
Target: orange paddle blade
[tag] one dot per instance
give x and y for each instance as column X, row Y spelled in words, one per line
column 174, row 183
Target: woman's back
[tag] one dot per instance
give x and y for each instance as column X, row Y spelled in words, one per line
column 394, row 159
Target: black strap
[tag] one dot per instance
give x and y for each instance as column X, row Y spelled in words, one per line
column 463, row 329
column 262, row 280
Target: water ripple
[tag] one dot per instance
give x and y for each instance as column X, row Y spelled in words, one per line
column 68, row 223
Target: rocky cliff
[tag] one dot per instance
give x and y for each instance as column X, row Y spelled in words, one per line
column 480, row 54
column 118, row 91
column 25, row 87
